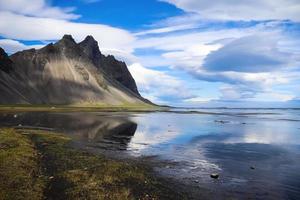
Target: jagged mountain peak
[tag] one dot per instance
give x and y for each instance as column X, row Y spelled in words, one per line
column 66, row 41
column 89, row 39
column 5, row 62
column 114, row 68
column 66, row 72
column 90, row 47
column 68, row 37
column 3, row 54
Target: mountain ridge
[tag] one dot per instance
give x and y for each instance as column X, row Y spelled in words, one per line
column 66, row 72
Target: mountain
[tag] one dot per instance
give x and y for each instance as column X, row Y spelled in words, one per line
column 66, row 72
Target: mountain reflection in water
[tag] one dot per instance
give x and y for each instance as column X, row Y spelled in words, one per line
column 256, row 153
column 83, row 126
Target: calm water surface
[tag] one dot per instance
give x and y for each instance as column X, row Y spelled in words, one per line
column 189, row 147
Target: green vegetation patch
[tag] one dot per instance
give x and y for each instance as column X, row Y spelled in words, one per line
column 126, row 107
column 45, row 166
column 19, row 167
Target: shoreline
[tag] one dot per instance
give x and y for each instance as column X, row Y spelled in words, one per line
column 45, row 164
column 67, row 108
column 109, row 135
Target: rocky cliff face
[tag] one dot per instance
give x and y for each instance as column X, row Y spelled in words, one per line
column 115, row 69
column 5, row 62
column 66, row 73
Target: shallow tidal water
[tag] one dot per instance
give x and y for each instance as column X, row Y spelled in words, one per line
column 256, row 152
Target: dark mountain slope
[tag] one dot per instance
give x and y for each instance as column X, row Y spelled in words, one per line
column 66, row 73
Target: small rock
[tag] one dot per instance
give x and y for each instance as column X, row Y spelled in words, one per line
column 214, row 175
column 196, row 181
column 52, row 107
column 51, row 177
column 252, row 167
column 20, row 125
column 15, row 116
column 221, row 121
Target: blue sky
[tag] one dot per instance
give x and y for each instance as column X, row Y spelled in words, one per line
column 180, row 52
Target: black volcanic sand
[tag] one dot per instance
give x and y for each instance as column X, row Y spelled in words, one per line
column 38, row 164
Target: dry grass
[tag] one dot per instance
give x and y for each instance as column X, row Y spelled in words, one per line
column 45, row 166
column 19, row 167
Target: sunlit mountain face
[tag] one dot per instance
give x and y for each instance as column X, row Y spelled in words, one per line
column 191, row 53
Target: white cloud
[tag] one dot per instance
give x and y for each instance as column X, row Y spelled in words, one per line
column 198, row 100
column 190, row 57
column 121, row 55
column 156, row 85
column 255, row 53
column 185, row 50
column 233, row 92
column 242, row 10
column 167, row 29
column 12, row 46
column 280, row 96
column 153, row 61
column 38, row 20
column 36, row 28
column 190, row 39
column 37, row 8
column 256, row 81
column 190, row 50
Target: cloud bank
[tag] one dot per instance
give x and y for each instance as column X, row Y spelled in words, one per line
column 37, row 28
column 242, row 10
column 255, row 53
column 37, row 8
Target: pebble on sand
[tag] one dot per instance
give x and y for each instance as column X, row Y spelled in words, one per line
column 221, row 121
column 214, row 175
